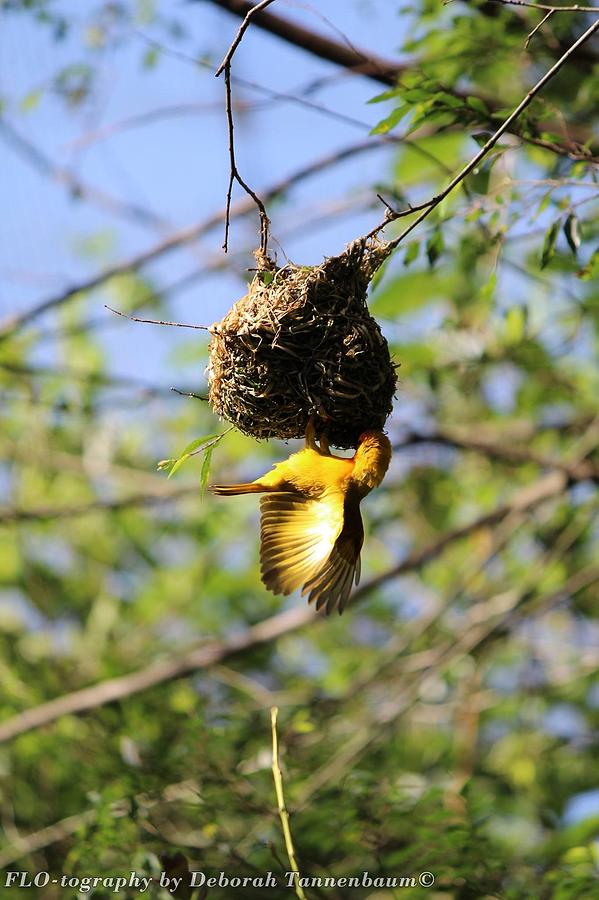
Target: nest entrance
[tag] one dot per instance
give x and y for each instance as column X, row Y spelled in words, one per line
column 302, row 343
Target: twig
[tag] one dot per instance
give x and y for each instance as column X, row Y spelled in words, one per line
column 547, row 487
column 155, row 321
column 139, row 120
column 382, row 70
column 75, row 374
column 188, row 394
column 51, row 834
column 501, row 609
column 545, row 7
column 510, row 453
column 50, row 513
column 469, row 167
column 234, row 175
column 77, row 188
column 238, row 37
column 283, row 813
column 539, row 25
column 31, row 843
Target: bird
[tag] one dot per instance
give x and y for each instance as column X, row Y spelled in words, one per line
column 311, row 531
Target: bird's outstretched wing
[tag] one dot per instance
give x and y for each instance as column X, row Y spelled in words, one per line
column 312, row 544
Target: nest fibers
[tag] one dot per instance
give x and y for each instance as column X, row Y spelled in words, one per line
column 302, row 343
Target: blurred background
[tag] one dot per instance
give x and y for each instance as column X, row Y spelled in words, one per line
column 448, row 721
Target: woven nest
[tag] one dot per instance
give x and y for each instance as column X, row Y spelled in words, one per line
column 302, row 343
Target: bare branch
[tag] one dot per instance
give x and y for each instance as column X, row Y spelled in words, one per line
column 539, row 25
column 509, row 453
column 16, row 322
column 156, row 321
column 239, row 36
column 235, row 176
column 283, row 813
column 544, row 7
column 358, row 61
column 547, row 487
column 34, row 156
column 31, row 843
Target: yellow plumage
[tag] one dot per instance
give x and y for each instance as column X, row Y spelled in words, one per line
column 311, row 529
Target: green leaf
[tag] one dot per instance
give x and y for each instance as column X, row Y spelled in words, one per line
column 412, row 290
column 412, row 252
column 191, row 448
column 543, row 204
column 591, row 270
column 515, row 323
column 391, row 121
column 572, row 232
column 150, row 58
column 488, row 290
column 386, row 95
column 426, row 157
column 548, row 250
column 478, row 104
column 434, row 247
column 205, row 470
column 30, row 101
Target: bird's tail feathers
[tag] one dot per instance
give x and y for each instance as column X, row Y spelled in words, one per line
column 229, row 490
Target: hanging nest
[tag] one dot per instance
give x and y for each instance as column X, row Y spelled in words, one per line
column 302, row 343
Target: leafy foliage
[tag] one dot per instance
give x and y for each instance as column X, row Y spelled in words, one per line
column 448, row 722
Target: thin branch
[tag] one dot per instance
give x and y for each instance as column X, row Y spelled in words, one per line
column 22, row 846
column 382, row 70
column 303, row 101
column 545, row 7
column 139, row 120
column 547, row 487
column 75, row 374
column 538, row 26
column 524, row 500
column 188, row 394
column 234, row 175
column 16, row 322
column 239, row 36
column 156, row 321
column 469, row 167
column 283, row 813
column 509, row 453
column 36, row 158
column 175, row 667
column 51, row 513
column 504, row 610
column 45, row 837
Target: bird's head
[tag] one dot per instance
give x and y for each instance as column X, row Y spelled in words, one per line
column 372, row 459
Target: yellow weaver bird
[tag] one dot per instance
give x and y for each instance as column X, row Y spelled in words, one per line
column 311, row 529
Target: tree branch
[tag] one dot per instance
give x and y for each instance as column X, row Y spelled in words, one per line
column 509, row 453
column 16, row 322
column 77, row 188
column 547, row 487
column 544, row 7
column 361, row 62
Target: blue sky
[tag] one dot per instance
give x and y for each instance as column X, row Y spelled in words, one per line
column 177, row 165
